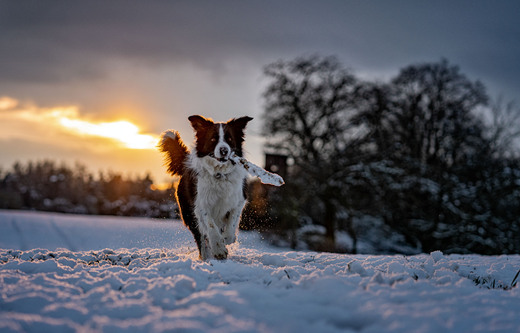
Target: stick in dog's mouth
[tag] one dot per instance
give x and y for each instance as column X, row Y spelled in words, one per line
column 221, row 159
column 265, row 176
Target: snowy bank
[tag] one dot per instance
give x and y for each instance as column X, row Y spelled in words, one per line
column 163, row 287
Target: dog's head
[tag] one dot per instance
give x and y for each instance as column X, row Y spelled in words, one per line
column 218, row 140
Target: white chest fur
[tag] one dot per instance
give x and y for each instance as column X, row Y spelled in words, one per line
column 219, row 193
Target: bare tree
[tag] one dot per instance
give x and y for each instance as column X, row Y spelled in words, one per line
column 434, row 117
column 307, row 116
column 505, row 128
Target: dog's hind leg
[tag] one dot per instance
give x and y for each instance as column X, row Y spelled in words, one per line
column 184, row 193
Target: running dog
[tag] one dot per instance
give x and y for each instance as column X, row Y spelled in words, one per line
column 212, row 188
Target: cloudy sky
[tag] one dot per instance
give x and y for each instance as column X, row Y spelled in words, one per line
column 98, row 81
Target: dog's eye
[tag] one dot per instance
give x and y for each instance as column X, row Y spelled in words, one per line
column 228, row 138
column 213, row 139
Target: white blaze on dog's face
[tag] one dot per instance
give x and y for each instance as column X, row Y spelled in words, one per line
column 222, row 149
column 219, row 140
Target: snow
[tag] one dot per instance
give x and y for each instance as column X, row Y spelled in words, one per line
column 67, row 273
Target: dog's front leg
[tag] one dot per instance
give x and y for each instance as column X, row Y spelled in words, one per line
column 212, row 245
column 218, row 245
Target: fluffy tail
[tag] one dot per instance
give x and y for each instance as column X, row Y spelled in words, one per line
column 175, row 152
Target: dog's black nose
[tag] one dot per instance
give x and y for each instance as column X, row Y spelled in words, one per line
column 224, row 151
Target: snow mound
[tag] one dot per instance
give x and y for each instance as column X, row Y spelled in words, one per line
column 258, row 289
column 158, row 290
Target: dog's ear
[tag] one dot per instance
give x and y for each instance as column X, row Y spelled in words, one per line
column 237, row 126
column 239, row 123
column 199, row 122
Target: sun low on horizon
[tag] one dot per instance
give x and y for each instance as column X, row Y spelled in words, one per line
column 121, row 131
column 29, row 132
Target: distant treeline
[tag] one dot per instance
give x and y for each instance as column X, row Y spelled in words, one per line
column 49, row 186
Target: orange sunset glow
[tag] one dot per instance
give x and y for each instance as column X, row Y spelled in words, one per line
column 69, row 119
column 105, row 144
column 121, row 131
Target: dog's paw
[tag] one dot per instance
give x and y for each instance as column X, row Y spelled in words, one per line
column 221, row 256
column 230, row 239
column 220, row 252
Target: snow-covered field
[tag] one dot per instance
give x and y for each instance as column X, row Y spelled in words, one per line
column 64, row 273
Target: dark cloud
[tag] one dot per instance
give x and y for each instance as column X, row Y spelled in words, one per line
column 65, row 36
column 59, row 40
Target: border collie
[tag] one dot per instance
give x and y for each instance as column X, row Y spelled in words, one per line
column 212, row 188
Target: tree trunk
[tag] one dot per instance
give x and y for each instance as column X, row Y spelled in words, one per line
column 330, row 226
column 352, row 234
